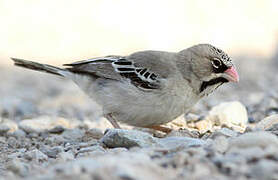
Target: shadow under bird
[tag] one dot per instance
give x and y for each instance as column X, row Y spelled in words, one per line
column 147, row 88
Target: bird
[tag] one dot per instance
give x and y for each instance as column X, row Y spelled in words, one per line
column 147, row 88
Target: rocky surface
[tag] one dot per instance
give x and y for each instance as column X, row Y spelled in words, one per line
column 50, row 130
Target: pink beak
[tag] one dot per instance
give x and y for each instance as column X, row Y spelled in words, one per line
column 231, row 74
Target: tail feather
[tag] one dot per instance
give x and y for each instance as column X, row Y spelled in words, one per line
column 37, row 66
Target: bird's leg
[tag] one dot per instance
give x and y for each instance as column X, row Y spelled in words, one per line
column 160, row 128
column 112, row 121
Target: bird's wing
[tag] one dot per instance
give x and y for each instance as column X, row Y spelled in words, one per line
column 144, row 69
column 97, row 67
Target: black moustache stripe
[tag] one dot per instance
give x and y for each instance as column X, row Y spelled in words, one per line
column 212, row 82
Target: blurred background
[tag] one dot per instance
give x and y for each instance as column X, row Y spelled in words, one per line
column 64, row 31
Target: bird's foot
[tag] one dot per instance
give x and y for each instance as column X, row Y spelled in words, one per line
column 161, row 128
column 114, row 123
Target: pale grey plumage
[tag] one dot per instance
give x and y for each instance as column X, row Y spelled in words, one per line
column 145, row 88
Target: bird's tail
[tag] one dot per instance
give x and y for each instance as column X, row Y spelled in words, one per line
column 38, row 67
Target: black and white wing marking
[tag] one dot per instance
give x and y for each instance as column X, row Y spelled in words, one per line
column 139, row 76
column 117, row 67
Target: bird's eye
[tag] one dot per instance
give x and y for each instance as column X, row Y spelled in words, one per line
column 216, row 63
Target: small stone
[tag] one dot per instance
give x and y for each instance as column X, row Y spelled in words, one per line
column 13, row 142
column 117, row 150
column 183, row 133
column 264, row 169
column 44, row 135
column 177, row 142
column 223, row 132
column 273, row 129
column 94, row 133
column 65, row 156
column 237, row 128
column 54, row 140
column 35, row 155
column 271, row 111
column 250, row 154
column 205, row 135
column 251, row 120
column 190, row 117
column 2, row 140
column 89, row 151
column 220, row 144
column 43, row 123
column 57, row 130
column 18, row 167
column 232, row 165
column 267, row 122
column 73, row 134
column 249, row 129
column 191, row 124
column 54, row 151
column 3, row 129
column 92, row 142
column 153, row 132
column 91, row 148
column 11, row 124
column 179, row 122
column 18, row 134
column 33, row 135
column 124, row 166
column 257, row 115
column 202, row 170
column 127, row 138
column 204, row 125
column 251, row 139
column 229, row 114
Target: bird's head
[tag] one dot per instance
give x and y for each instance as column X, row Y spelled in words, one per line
column 211, row 67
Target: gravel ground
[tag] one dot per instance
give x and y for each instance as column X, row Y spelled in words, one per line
column 49, row 129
